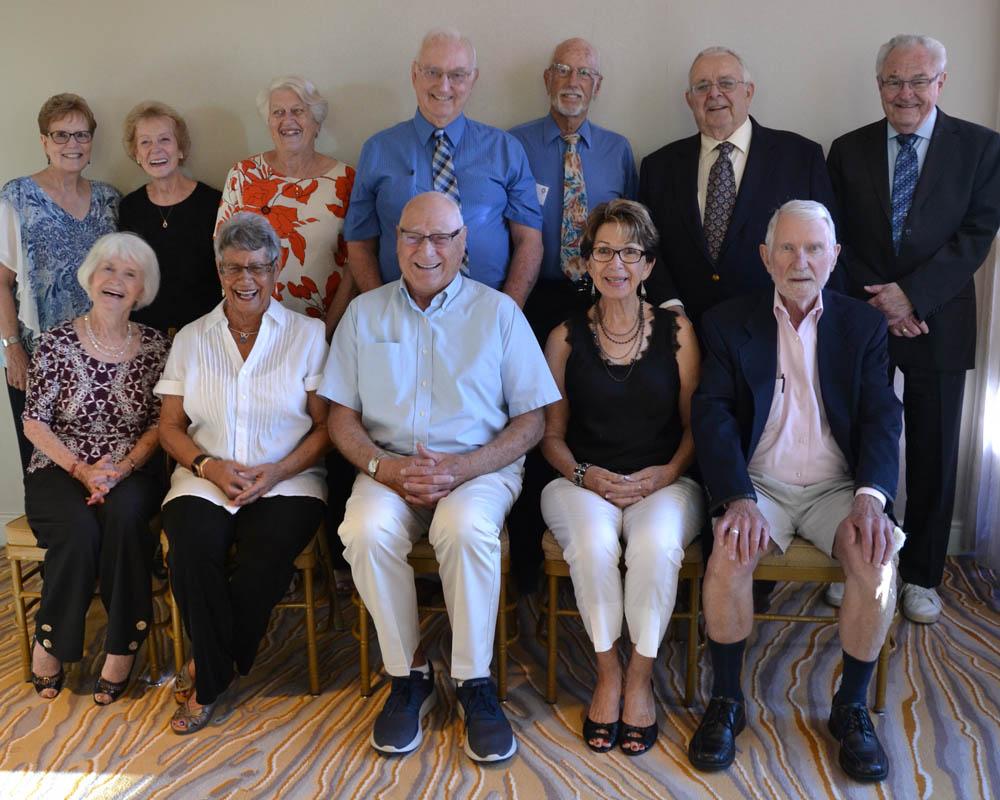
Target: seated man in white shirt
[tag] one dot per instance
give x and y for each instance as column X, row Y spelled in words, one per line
column 796, row 428
column 437, row 387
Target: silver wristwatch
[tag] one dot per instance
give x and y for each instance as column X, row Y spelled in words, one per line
column 7, row 341
column 375, row 461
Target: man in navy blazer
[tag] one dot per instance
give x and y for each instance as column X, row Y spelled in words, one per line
column 796, row 428
column 919, row 193
column 676, row 183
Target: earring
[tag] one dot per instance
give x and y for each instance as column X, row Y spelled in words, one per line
column 642, row 290
column 593, row 290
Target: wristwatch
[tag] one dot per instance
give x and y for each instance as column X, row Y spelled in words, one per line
column 7, row 341
column 373, row 464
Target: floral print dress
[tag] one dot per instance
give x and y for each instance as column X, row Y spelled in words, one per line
column 308, row 216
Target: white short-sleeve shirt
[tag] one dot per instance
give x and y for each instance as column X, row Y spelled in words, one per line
column 253, row 412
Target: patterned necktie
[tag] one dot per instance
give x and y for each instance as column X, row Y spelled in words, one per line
column 445, row 180
column 904, row 181
column 720, row 197
column 574, row 214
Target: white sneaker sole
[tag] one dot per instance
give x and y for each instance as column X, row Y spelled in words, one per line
column 492, row 756
column 425, row 709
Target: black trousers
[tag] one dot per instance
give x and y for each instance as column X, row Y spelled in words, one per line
column 340, row 475
column 226, row 606
column 932, row 414
column 24, row 447
column 110, row 543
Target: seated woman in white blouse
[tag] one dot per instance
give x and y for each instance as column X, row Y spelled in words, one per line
column 241, row 417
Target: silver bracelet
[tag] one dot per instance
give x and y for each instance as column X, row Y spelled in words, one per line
column 579, row 472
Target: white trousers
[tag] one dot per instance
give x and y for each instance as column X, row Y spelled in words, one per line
column 655, row 531
column 378, row 532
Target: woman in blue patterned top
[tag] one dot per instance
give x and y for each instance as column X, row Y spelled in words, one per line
column 48, row 223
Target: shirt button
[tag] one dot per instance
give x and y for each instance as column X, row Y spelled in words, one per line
column 716, row 276
column 423, row 383
column 421, row 413
column 798, row 474
column 424, row 351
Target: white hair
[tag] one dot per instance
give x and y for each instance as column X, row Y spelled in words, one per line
column 125, row 247
column 908, row 40
column 717, row 50
column 801, row 209
column 450, row 35
column 303, row 87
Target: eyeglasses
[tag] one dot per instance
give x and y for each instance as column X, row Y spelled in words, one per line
column 437, row 240
column 584, row 73
column 725, row 85
column 628, row 255
column 255, row 270
column 456, row 76
column 895, row 85
column 61, row 137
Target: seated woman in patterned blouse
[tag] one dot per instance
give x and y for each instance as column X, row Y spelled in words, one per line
column 91, row 414
column 242, row 418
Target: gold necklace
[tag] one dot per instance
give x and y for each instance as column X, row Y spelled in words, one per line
column 244, row 335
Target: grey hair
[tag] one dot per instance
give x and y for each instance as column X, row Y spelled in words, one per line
column 127, row 247
column 247, row 231
column 907, row 40
column 303, row 87
column 800, row 209
column 451, row 35
column 718, row 50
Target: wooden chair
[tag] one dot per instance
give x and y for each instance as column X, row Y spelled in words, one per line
column 423, row 561
column 315, row 554
column 555, row 567
column 26, row 558
column 802, row 562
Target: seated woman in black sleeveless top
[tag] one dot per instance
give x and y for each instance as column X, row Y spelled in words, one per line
column 622, row 442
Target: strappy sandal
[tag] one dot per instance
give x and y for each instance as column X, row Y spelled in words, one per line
column 192, row 721
column 113, row 689
column 635, row 734
column 183, row 684
column 43, row 682
column 600, row 730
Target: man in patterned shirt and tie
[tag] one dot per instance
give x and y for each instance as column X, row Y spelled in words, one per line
column 481, row 168
column 920, row 196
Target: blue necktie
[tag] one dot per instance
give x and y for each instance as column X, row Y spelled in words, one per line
column 904, row 181
column 445, row 180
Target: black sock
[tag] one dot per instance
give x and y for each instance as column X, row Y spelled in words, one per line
column 854, row 683
column 727, row 662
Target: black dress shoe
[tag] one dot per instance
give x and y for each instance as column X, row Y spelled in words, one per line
column 861, row 753
column 713, row 746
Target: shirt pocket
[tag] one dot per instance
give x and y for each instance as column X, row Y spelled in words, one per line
column 385, row 380
column 775, row 416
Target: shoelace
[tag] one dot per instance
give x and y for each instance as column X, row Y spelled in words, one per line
column 482, row 700
column 858, row 719
column 718, row 711
column 401, row 694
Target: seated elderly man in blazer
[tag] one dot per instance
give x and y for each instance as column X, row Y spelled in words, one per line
column 437, row 385
column 797, row 428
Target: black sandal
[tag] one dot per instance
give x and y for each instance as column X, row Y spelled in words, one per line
column 645, row 736
column 43, row 682
column 600, row 730
column 113, row 689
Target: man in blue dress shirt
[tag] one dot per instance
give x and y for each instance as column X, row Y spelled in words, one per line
column 572, row 81
column 480, row 167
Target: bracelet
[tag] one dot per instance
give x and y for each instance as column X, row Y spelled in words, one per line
column 198, row 464
column 74, row 467
column 579, row 472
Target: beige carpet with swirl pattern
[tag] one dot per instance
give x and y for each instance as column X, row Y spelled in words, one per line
column 941, row 729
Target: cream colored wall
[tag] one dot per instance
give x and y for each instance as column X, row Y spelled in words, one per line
column 812, row 63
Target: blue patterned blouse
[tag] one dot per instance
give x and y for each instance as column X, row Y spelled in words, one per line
column 53, row 244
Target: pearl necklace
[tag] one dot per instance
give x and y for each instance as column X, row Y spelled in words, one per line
column 103, row 349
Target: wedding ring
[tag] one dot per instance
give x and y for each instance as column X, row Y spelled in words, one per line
column 735, row 531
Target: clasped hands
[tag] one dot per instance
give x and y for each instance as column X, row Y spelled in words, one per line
column 240, row 483
column 101, row 477
column 425, row 477
column 624, row 490
column 892, row 301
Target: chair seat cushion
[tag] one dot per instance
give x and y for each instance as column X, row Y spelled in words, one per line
column 19, row 533
column 800, row 553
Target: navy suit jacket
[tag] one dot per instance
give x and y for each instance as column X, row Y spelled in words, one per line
column 733, row 400
column 780, row 166
column 951, row 224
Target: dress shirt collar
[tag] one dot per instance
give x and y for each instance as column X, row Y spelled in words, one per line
column 924, row 131
column 740, row 138
column 275, row 311
column 425, row 131
column 441, row 300
column 781, row 312
column 551, row 131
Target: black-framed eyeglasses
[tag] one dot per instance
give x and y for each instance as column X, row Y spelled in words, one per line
column 437, row 240
column 565, row 70
column 725, row 85
column 895, row 85
column 256, row 270
column 456, row 76
column 61, row 137
column 627, row 255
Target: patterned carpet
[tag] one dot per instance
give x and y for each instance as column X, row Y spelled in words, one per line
column 942, row 727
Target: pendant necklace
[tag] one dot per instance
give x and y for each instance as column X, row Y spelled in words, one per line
column 244, row 335
column 164, row 218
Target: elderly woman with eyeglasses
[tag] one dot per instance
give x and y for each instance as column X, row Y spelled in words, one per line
column 242, row 419
column 48, row 223
column 621, row 440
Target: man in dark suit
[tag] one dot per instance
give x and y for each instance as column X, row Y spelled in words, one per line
column 711, row 211
column 919, row 194
column 797, row 428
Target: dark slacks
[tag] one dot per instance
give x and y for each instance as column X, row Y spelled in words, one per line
column 225, row 606
column 340, row 475
column 24, row 447
column 110, row 543
column 932, row 414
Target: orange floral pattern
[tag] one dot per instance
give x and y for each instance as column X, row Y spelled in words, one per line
column 308, row 216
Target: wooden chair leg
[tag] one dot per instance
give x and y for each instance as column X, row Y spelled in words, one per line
column 176, row 631
column 153, row 654
column 335, row 617
column 501, row 641
column 882, row 676
column 366, row 678
column 551, row 634
column 694, row 601
column 311, row 649
column 21, row 618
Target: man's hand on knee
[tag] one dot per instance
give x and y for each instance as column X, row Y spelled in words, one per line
column 870, row 527
column 742, row 531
